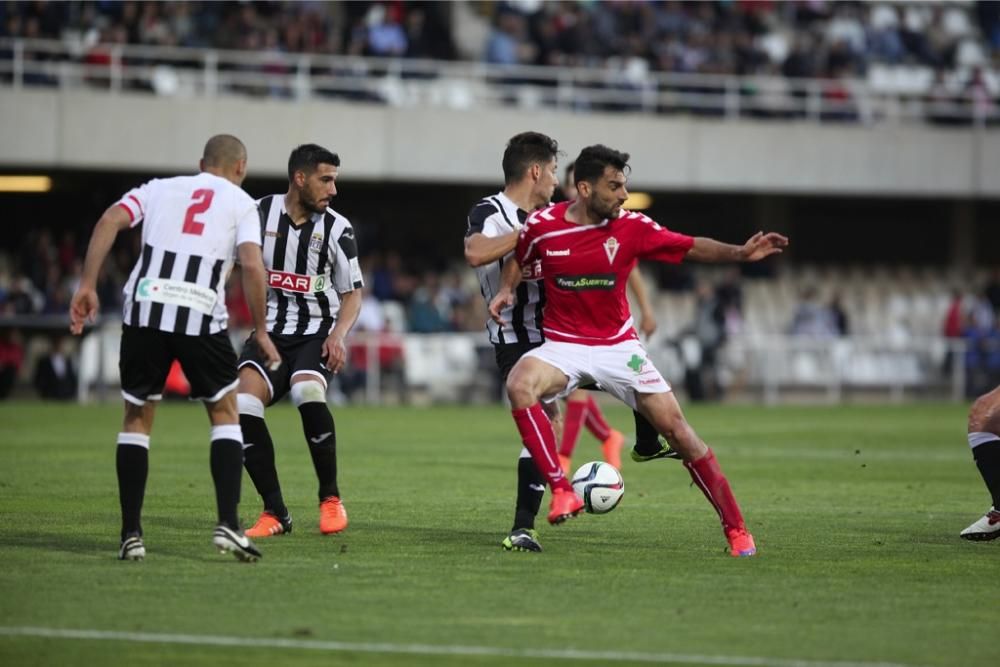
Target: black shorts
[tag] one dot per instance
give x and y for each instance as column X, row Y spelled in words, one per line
column 299, row 354
column 209, row 363
column 507, row 355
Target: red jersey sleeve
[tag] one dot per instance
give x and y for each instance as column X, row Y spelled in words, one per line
column 660, row 244
column 526, row 250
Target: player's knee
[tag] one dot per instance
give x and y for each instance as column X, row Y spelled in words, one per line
column 309, row 391
column 520, row 390
column 250, row 405
column 984, row 415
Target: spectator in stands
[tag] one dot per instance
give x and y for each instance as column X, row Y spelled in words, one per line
column 841, row 321
column 55, row 374
column 812, row 318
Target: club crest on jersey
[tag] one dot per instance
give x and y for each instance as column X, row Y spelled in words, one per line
column 316, row 242
column 611, row 249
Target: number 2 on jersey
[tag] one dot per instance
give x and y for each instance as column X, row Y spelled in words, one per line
column 202, row 200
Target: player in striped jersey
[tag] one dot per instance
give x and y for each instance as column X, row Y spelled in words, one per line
column 530, row 178
column 175, row 309
column 587, row 248
column 314, row 300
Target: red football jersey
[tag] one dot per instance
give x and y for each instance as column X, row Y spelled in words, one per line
column 586, row 268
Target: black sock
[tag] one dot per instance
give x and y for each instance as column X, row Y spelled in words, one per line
column 258, row 457
column 987, row 457
column 530, row 489
column 647, row 440
column 321, row 436
column 132, row 463
column 226, row 462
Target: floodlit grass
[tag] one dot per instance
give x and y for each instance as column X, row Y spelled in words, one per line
column 856, row 512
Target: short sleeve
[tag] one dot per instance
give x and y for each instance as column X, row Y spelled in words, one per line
column 478, row 220
column 347, row 275
column 661, row 244
column 135, row 202
column 248, row 224
column 526, row 249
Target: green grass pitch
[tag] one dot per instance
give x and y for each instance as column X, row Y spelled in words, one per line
column 856, row 512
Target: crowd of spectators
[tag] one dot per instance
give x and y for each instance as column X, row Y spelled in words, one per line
column 773, row 44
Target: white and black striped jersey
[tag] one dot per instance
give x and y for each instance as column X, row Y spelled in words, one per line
column 494, row 216
column 308, row 268
column 191, row 227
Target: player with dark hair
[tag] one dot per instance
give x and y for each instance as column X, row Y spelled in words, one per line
column 530, row 179
column 175, row 309
column 314, row 299
column 984, row 439
column 586, row 249
column 582, row 409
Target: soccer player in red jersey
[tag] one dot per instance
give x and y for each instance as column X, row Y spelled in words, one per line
column 586, row 249
column 581, row 408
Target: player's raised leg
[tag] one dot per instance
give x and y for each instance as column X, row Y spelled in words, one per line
column 984, row 439
column 529, row 380
column 665, row 413
column 258, row 454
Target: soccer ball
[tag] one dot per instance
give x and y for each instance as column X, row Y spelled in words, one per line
column 600, row 485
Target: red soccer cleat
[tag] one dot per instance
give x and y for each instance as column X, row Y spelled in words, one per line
column 332, row 516
column 269, row 524
column 565, row 505
column 740, row 543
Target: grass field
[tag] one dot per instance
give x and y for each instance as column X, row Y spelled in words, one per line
column 856, row 512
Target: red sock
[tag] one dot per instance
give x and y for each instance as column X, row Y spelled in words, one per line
column 707, row 474
column 595, row 421
column 538, row 436
column 576, row 412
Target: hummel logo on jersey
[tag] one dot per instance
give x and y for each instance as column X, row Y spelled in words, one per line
column 611, row 249
column 320, row 438
column 557, row 253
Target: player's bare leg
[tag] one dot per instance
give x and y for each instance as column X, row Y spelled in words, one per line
column 663, row 411
column 132, row 466
column 529, row 380
column 984, row 439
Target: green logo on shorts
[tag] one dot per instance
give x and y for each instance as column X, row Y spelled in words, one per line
column 636, row 363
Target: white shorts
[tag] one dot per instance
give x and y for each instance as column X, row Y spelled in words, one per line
column 622, row 370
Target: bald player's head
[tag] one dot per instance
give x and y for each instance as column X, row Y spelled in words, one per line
column 225, row 156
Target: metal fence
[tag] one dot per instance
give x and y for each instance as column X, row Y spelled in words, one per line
column 172, row 71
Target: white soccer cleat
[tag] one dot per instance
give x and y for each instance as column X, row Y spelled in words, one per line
column 986, row 528
column 132, row 548
column 227, row 540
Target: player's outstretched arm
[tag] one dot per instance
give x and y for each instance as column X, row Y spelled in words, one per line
column 335, row 347
column 757, row 247
column 84, row 305
column 254, row 278
column 481, row 249
column 510, row 278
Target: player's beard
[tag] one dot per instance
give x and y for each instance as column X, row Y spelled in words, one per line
column 314, row 205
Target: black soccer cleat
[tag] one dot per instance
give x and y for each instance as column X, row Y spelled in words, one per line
column 228, row 540
column 522, row 539
column 665, row 452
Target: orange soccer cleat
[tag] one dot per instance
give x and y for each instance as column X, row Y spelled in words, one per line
column 565, row 505
column 269, row 524
column 740, row 543
column 332, row 516
column 612, row 448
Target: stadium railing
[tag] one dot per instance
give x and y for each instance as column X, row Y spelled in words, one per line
column 474, row 85
column 459, row 367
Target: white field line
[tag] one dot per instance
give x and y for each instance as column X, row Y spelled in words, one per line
column 428, row 649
